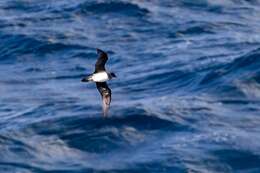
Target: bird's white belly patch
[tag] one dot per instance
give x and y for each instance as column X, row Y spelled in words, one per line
column 100, row 77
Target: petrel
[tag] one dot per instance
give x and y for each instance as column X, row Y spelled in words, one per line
column 100, row 76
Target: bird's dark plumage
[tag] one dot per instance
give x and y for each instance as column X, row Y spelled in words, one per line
column 102, row 59
column 105, row 92
column 100, row 76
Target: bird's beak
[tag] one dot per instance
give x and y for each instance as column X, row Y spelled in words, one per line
column 113, row 75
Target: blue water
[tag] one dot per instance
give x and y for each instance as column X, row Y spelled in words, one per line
column 186, row 98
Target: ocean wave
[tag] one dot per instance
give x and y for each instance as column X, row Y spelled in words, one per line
column 186, row 96
column 113, row 7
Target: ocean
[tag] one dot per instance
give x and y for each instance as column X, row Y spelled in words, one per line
column 186, row 98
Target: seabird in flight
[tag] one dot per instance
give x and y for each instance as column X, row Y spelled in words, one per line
column 100, row 76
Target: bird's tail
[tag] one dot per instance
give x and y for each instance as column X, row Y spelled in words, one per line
column 87, row 79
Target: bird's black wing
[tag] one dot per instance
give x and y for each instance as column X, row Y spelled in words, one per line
column 102, row 59
column 105, row 94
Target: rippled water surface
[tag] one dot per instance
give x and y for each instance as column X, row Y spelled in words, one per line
column 186, row 99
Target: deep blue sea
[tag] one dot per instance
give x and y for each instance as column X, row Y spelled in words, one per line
column 186, row 98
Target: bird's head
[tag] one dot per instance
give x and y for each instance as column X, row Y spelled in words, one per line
column 113, row 75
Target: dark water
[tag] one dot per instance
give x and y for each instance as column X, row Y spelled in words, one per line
column 187, row 96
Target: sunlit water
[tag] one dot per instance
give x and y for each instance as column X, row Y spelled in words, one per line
column 186, row 97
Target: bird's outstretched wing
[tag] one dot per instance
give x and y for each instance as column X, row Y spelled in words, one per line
column 105, row 94
column 102, row 59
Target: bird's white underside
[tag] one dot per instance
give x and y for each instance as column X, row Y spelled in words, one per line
column 100, row 77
